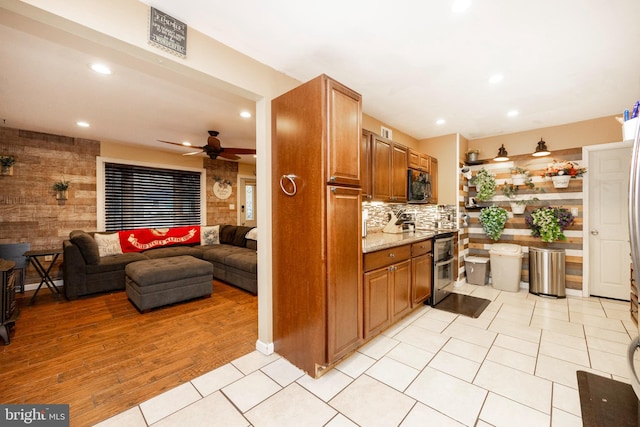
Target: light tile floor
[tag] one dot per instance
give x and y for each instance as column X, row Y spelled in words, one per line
column 514, row 365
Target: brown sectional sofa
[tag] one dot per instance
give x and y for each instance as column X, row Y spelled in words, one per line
column 85, row 272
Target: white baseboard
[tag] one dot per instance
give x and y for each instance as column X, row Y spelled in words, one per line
column 264, row 347
column 34, row 286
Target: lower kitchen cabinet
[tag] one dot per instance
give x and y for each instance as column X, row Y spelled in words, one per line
column 396, row 280
column 421, row 270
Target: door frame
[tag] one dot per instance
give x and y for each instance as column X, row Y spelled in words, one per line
column 586, row 225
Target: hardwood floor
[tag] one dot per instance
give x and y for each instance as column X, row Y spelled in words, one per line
column 101, row 356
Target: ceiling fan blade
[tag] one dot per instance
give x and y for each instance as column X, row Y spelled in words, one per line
column 192, row 153
column 239, row 150
column 229, row 156
column 173, row 143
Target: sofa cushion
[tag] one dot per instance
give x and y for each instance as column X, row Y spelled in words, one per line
column 244, row 260
column 227, row 233
column 219, row 253
column 115, row 262
column 87, row 245
column 194, row 251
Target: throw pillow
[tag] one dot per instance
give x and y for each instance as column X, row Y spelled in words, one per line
column 87, row 245
column 108, row 244
column 210, row 235
column 252, row 234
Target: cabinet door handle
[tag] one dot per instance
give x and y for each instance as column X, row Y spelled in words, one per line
column 392, row 255
column 294, row 187
column 333, row 178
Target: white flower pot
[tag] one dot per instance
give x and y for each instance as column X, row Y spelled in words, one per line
column 517, row 209
column 518, row 179
column 561, row 181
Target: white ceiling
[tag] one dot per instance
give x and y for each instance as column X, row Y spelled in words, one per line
column 413, row 62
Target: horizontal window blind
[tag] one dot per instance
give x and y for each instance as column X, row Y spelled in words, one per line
column 144, row 197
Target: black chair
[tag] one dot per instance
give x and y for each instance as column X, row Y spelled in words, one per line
column 15, row 252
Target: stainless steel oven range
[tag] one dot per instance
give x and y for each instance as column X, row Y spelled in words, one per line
column 443, row 266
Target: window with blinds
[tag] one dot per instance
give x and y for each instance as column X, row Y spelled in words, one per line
column 145, row 197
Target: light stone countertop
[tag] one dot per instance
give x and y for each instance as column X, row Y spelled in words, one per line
column 378, row 241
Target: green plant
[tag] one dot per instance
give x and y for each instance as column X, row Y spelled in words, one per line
column 517, row 170
column 7, row 161
column 493, row 220
column 485, row 184
column 549, row 223
column 61, row 185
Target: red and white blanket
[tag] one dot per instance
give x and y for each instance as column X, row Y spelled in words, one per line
column 149, row 238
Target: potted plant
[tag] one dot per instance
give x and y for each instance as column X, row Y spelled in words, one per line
column 519, row 175
column 7, row 164
column 511, row 191
column 485, row 184
column 493, row 220
column 549, row 223
column 562, row 171
column 472, row 156
column 61, row 187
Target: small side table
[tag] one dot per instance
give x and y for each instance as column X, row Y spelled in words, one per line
column 34, row 258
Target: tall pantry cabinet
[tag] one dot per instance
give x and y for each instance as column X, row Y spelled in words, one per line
column 317, row 212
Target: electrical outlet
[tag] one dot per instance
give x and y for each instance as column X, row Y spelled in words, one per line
column 48, row 258
column 232, row 207
column 574, row 211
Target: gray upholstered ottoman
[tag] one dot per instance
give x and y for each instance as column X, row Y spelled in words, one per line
column 153, row 283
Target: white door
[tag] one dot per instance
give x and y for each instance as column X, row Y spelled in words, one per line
column 609, row 250
column 247, row 193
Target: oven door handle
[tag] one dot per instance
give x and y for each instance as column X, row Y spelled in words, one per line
column 441, row 263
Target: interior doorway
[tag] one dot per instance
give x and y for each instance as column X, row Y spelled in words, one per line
column 606, row 231
column 247, row 193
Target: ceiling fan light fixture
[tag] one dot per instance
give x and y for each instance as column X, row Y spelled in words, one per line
column 541, row 149
column 502, row 156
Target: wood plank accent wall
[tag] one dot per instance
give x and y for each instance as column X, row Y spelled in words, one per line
column 474, row 242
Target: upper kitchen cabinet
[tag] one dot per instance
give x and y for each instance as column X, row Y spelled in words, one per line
column 433, row 172
column 316, row 224
column 365, row 166
column 419, row 161
column 388, row 170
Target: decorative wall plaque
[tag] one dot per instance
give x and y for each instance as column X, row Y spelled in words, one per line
column 167, row 33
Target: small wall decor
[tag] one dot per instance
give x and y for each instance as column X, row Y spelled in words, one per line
column 7, row 165
column 61, row 189
column 222, row 188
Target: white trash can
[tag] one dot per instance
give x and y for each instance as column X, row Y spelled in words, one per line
column 506, row 266
column 477, row 270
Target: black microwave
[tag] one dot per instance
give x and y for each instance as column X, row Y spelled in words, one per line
column 419, row 190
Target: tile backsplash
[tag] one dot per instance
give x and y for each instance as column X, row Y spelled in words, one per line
column 426, row 215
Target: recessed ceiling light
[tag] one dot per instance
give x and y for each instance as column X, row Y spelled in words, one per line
column 513, row 113
column 245, row 114
column 441, row 121
column 496, row 78
column 459, row 6
column 83, row 124
column 186, row 143
column 101, row 68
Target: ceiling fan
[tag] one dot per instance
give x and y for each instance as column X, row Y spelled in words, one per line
column 213, row 149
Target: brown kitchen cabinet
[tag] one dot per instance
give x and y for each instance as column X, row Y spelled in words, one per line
column 387, row 288
column 389, row 165
column 316, row 226
column 419, row 161
column 421, row 271
column 365, row 165
column 433, row 173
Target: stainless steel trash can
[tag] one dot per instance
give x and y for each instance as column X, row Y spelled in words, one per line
column 547, row 272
